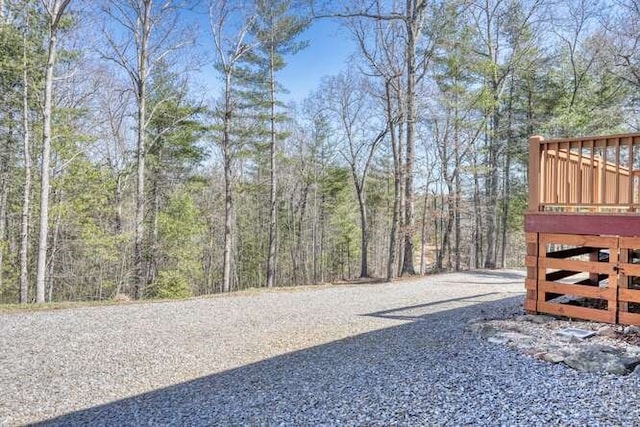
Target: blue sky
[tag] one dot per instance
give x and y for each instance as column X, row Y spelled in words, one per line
column 328, row 52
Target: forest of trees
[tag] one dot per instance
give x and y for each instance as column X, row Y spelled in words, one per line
column 121, row 174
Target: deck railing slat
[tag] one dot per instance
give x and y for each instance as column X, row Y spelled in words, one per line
column 631, row 177
column 579, row 180
column 585, row 172
column 592, row 170
column 617, row 176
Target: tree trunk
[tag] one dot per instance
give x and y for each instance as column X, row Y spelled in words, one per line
column 26, row 197
column 141, row 98
column 447, row 225
column 124, row 256
column 409, row 221
column 273, row 219
column 364, row 227
column 138, row 248
column 52, row 258
column 314, row 234
column 492, row 187
column 45, row 166
column 228, row 195
column 507, row 180
column 301, row 253
column 152, row 262
column 322, row 236
column 477, row 209
column 458, row 194
column 4, row 193
column 423, row 232
column 397, row 190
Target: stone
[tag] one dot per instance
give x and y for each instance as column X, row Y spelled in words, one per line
column 498, row 340
column 576, row 332
column 631, row 330
column 516, row 338
column 553, row 357
column 631, row 362
column 483, row 329
column 537, row 318
column 569, row 339
column 636, row 371
column 607, row 351
column 535, row 352
column 633, row 350
column 606, row 331
column 594, row 360
column 604, row 348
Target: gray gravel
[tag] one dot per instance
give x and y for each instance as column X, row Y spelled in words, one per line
column 350, row 355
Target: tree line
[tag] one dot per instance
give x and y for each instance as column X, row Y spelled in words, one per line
column 121, row 175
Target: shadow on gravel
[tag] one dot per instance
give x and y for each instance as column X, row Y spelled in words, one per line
column 403, row 373
column 492, row 277
column 396, row 313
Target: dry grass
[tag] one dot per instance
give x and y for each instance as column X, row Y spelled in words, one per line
column 123, row 299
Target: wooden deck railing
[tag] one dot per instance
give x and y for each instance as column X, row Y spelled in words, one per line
column 591, row 174
column 583, row 228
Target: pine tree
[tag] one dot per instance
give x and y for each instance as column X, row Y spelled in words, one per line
column 276, row 29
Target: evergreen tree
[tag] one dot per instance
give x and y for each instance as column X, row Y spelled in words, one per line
column 276, row 30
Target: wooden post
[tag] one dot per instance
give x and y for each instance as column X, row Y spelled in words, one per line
column 531, row 282
column 534, row 172
column 612, row 303
column 602, row 187
column 623, row 279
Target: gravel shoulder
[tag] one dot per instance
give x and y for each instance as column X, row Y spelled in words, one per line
column 392, row 353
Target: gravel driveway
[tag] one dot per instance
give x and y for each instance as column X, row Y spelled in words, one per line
column 360, row 354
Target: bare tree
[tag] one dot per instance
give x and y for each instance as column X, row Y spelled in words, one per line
column 502, row 29
column 54, row 10
column 144, row 40
column 348, row 98
column 384, row 59
column 230, row 24
column 26, row 196
column 417, row 47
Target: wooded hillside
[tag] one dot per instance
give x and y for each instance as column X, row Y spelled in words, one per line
column 122, row 172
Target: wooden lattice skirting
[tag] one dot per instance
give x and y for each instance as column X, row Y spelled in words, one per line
column 592, row 277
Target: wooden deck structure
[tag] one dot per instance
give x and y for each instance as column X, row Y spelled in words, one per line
column 582, row 228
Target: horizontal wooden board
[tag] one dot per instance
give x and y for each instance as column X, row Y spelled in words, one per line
column 589, row 281
column 587, row 140
column 629, row 318
column 573, row 265
column 582, row 224
column 568, row 253
column 560, row 274
column 628, row 295
column 531, row 237
column 579, row 240
column 578, row 290
column 577, row 312
column 630, row 269
column 629, row 242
